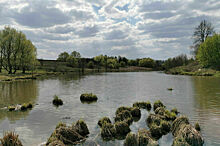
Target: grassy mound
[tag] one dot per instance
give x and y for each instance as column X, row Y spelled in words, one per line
column 157, row 104
column 108, row 131
column 81, row 128
column 10, row 139
column 131, row 140
column 68, row 135
column 143, row 105
column 122, row 128
column 185, row 132
column 88, row 97
column 57, row 101
column 104, row 119
column 144, row 138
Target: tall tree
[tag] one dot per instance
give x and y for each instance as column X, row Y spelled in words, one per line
column 63, row 56
column 15, row 50
column 202, row 31
column 75, row 54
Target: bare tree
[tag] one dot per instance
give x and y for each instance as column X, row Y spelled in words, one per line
column 202, row 31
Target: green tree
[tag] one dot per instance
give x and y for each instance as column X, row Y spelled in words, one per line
column 15, row 50
column 91, row 64
column 27, row 56
column 202, row 31
column 147, row 62
column 63, row 56
column 72, row 61
column 209, row 52
column 112, row 63
column 75, row 54
column 100, row 61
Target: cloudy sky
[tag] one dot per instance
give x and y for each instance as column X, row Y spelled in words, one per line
column 133, row 28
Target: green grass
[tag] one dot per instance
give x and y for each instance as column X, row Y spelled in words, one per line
column 193, row 69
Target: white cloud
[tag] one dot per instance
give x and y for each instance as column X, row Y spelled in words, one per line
column 134, row 28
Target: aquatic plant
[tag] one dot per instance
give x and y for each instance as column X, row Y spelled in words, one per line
column 144, row 138
column 81, row 127
column 11, row 108
column 124, row 116
column 104, row 119
column 176, row 125
column 10, row 139
column 68, row 135
column 197, row 126
column 57, row 101
column 30, row 105
column 157, row 104
column 165, row 127
column 131, row 140
column 24, row 107
column 143, row 105
column 135, row 112
column 88, row 97
column 182, row 130
column 170, row 89
column 174, row 110
column 108, row 131
column 122, row 128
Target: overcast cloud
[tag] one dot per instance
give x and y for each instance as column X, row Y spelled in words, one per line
column 131, row 28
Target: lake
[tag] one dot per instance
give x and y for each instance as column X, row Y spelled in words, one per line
column 196, row 97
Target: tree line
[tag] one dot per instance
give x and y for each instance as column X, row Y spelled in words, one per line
column 16, row 51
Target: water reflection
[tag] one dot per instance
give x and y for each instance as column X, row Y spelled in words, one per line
column 207, row 106
column 17, row 93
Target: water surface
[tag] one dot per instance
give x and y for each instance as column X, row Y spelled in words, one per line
column 197, row 97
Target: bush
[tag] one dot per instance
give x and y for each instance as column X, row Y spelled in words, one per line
column 209, row 52
column 57, row 101
column 10, row 139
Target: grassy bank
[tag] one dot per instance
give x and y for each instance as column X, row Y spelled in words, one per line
column 193, row 69
column 50, row 70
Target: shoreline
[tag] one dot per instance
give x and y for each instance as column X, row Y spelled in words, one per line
column 41, row 73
